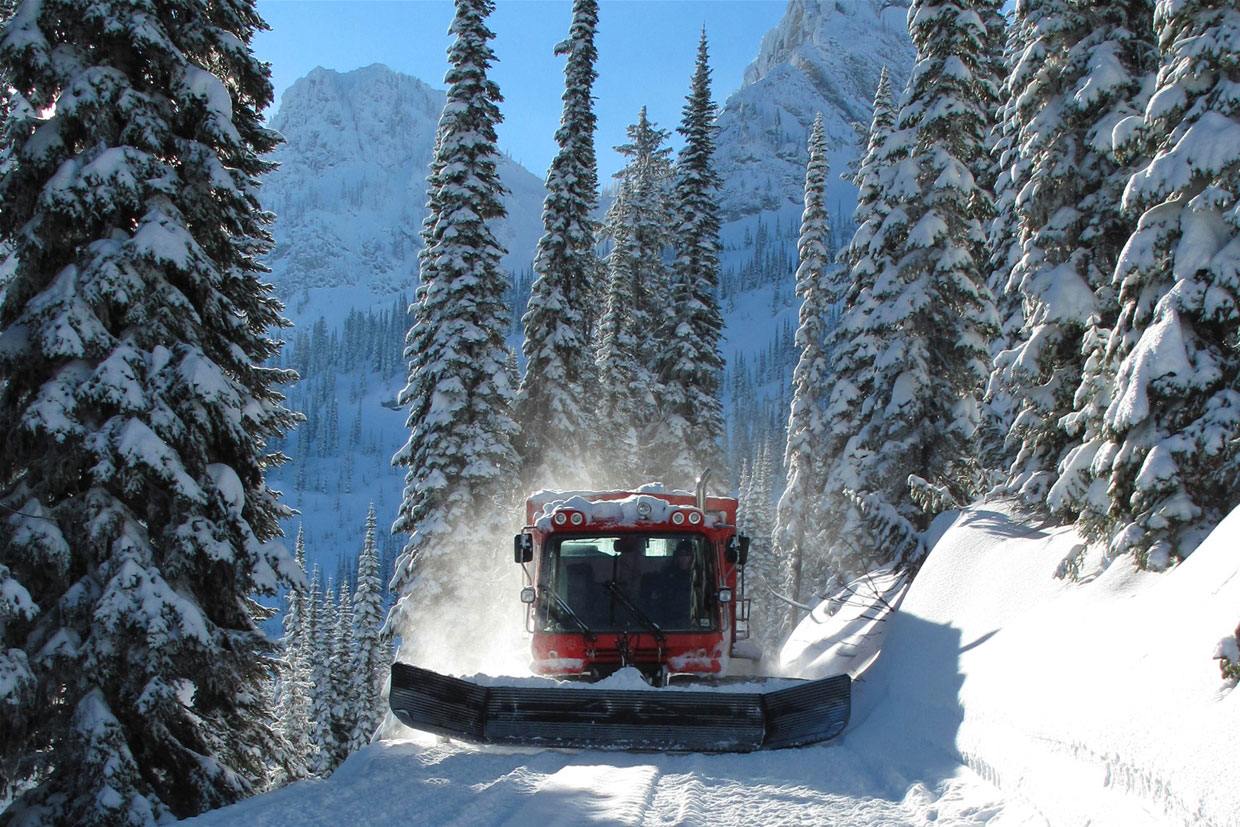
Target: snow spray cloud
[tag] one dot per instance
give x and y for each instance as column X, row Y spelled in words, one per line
column 462, row 614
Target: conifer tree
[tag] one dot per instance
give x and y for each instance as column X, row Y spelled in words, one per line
column 797, row 541
column 649, row 172
column 765, row 572
column 689, row 365
column 623, row 382
column 293, row 704
column 323, row 698
column 135, row 412
column 1076, row 74
column 459, row 457
column 1170, row 459
column 927, row 312
column 1121, row 42
column 637, row 226
column 558, row 422
column 853, row 345
column 343, row 701
column 369, row 663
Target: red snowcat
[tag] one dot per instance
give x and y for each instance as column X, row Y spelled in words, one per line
column 644, row 579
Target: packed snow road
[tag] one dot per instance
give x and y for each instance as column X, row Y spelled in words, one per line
column 412, row 782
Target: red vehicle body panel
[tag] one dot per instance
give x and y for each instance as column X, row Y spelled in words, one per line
column 570, row 653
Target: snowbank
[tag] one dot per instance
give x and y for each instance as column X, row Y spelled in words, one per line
column 1094, row 701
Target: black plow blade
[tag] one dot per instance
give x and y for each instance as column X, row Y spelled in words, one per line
column 665, row 720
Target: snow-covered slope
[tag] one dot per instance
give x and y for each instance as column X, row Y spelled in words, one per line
column 825, row 55
column 1002, row 695
column 350, row 193
column 1098, row 700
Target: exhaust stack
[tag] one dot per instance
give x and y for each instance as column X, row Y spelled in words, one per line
column 701, row 490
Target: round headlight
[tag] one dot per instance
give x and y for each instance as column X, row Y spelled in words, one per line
column 560, row 518
column 695, row 518
column 678, row 517
column 577, row 518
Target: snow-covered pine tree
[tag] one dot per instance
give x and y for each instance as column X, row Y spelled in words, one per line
column 637, row 224
column 853, row 344
column 1077, row 73
column 369, row 662
column 765, row 572
column 558, row 422
column 649, row 172
column 689, row 371
column 1003, row 241
column 136, row 411
column 343, row 703
column 623, row 392
column 293, row 702
column 459, row 456
column 323, row 695
column 1121, row 44
column 797, row 541
column 872, row 206
column 1174, row 415
column 924, row 324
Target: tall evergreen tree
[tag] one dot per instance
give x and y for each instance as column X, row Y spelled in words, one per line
column 1077, row 73
column 797, row 540
column 368, row 665
column 135, row 412
column 1174, row 413
column 293, row 703
column 765, row 572
column 924, row 323
column 1121, row 49
column 558, row 427
column 459, row 455
column 323, row 696
column 342, row 675
column 649, row 173
column 624, row 387
column 848, row 541
column 637, row 224
column 690, row 366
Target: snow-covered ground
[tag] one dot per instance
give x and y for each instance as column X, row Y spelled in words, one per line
column 1003, row 694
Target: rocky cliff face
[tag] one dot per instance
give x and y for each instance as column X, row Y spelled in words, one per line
column 350, row 193
column 825, row 55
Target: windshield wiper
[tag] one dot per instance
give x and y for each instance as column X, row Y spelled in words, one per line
column 640, row 616
column 564, row 610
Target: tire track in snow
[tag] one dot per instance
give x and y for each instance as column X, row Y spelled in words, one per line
column 592, row 788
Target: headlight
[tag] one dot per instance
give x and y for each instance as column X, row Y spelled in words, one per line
column 577, row 519
column 560, row 518
column 695, row 518
column 678, row 518
column 527, row 595
column 725, row 595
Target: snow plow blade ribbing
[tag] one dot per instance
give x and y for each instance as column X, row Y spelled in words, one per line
column 660, row 720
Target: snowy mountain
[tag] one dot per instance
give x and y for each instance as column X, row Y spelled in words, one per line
column 825, row 55
column 350, row 193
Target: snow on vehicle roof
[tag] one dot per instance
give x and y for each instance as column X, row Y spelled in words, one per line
column 631, row 510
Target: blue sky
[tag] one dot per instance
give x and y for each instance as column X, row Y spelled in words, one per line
column 646, row 53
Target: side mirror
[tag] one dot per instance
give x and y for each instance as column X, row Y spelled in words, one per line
column 737, row 550
column 522, row 548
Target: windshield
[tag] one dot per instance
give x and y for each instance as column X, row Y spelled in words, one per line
column 665, row 577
